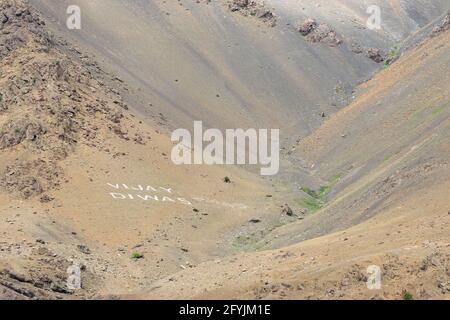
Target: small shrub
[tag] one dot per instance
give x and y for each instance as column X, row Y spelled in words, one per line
column 227, row 180
column 391, row 56
column 137, row 255
column 407, row 295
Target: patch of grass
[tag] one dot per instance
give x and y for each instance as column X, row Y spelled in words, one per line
column 137, row 255
column 335, row 179
column 407, row 295
column 312, row 204
column 427, row 113
column 323, row 191
column 317, row 198
column 317, row 194
column 391, row 56
column 440, row 109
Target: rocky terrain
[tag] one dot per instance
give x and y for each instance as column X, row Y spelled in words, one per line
column 49, row 105
column 64, row 120
column 253, row 8
column 52, row 101
column 87, row 184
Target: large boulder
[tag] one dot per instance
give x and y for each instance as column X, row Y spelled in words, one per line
column 376, row 55
column 14, row 133
column 307, row 26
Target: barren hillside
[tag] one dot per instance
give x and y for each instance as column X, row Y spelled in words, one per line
column 83, row 180
column 87, row 180
column 200, row 60
column 389, row 206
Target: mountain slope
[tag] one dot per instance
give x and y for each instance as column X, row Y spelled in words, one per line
column 394, row 194
column 84, row 181
column 392, row 137
column 195, row 61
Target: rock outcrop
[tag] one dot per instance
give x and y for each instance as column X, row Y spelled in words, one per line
column 253, row 8
column 50, row 101
column 319, row 32
column 444, row 26
column 375, row 54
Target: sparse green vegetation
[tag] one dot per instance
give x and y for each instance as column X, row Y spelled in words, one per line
column 335, row 179
column 440, row 108
column 407, row 295
column 318, row 194
column 317, row 197
column 428, row 113
column 323, row 191
column 227, row 180
column 137, row 255
column 391, row 56
column 312, row 204
column 316, row 200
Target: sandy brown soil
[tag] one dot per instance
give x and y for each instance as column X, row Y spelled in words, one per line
column 86, row 177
